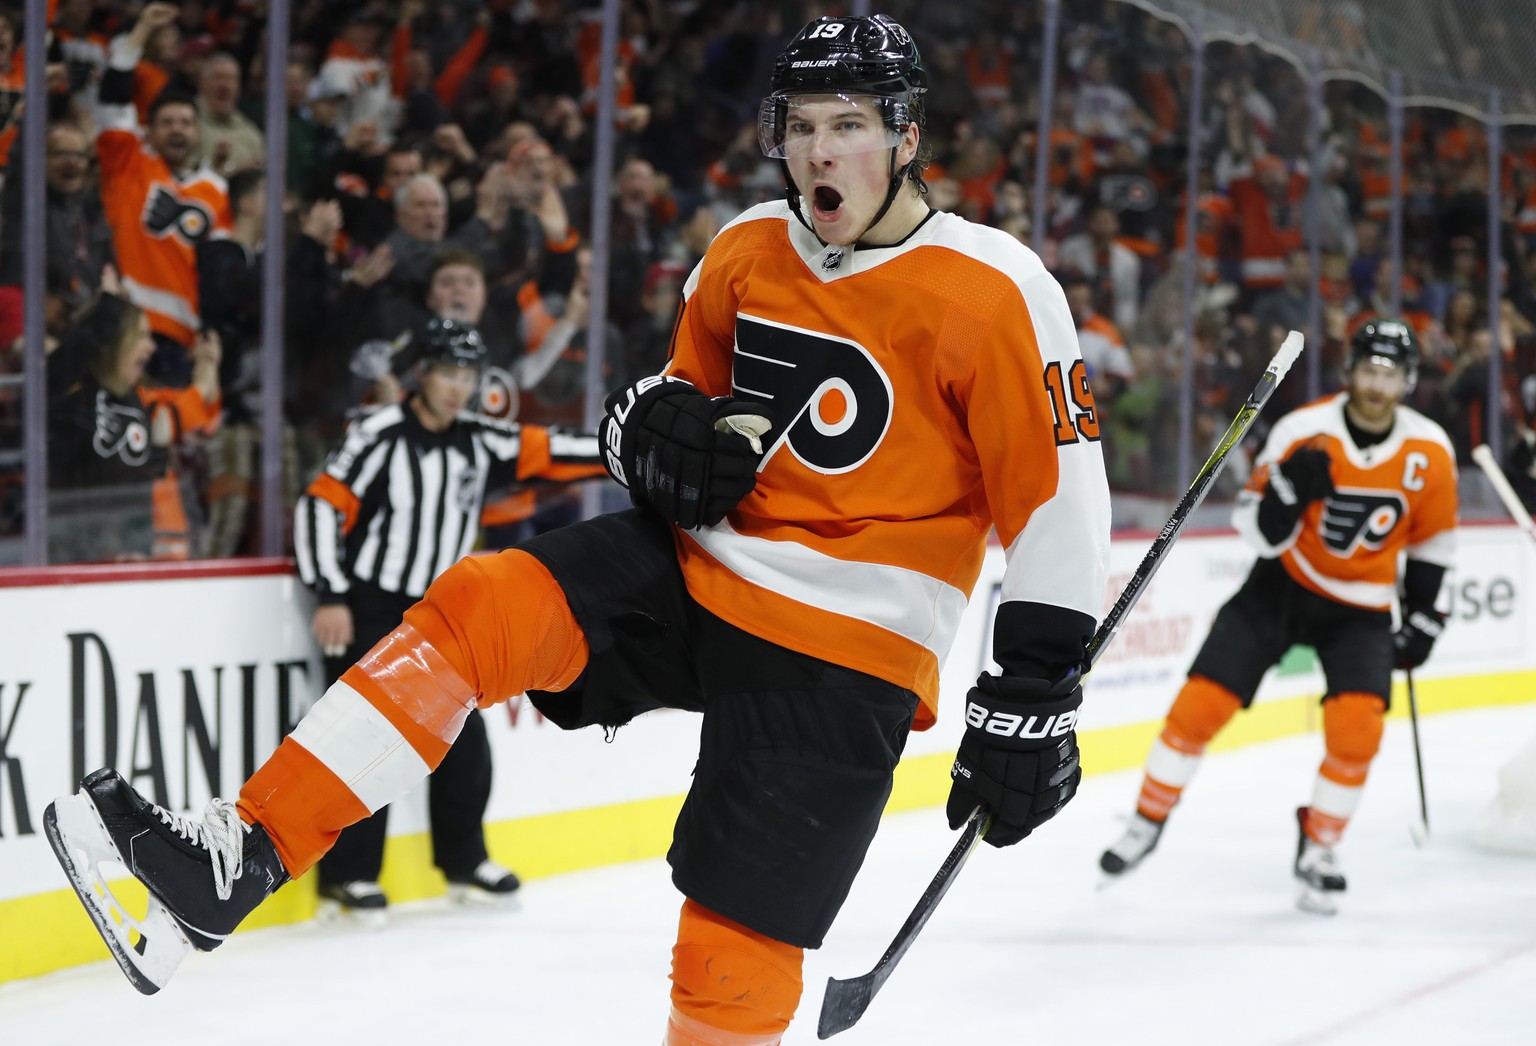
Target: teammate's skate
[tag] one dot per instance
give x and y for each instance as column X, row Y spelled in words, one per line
column 1140, row 839
column 203, row 877
column 489, row 885
column 1317, row 872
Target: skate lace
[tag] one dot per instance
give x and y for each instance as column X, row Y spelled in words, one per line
column 222, row 833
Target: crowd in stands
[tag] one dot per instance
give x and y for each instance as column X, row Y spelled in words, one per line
column 440, row 162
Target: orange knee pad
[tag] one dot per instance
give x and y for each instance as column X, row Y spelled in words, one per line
column 731, row 986
column 1352, row 728
column 1198, row 714
column 502, row 621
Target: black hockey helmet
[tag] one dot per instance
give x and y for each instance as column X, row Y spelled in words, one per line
column 1386, row 341
column 867, row 55
column 449, row 342
column 870, row 55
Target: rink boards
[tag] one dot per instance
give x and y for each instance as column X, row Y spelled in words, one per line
column 185, row 679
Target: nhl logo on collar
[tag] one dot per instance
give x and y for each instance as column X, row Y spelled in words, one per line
column 833, row 259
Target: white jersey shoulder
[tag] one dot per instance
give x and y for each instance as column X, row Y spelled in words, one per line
column 1326, row 417
column 993, row 247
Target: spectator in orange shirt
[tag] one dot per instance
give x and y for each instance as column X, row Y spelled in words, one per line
column 160, row 206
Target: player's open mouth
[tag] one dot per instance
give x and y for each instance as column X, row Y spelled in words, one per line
column 826, row 202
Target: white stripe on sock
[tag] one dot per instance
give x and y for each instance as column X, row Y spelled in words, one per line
column 1335, row 800
column 1170, row 766
column 360, row 746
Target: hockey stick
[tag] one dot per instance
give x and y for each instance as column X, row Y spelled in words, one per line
column 1420, row 831
column 1512, row 503
column 846, row 1000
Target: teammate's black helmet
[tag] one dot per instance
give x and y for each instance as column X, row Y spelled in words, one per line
column 870, row 55
column 1389, row 340
column 449, row 341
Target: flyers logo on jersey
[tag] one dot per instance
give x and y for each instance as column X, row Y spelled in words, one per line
column 1355, row 518
column 120, row 432
column 166, row 214
column 832, row 399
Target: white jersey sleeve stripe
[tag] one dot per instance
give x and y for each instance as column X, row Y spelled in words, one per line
column 1061, row 557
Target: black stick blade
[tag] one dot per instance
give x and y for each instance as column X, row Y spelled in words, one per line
column 846, row 1001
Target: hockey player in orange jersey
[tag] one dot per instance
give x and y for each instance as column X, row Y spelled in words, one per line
column 860, row 388
column 1343, row 488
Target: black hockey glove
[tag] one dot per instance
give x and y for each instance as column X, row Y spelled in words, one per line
column 688, row 456
column 1294, row 483
column 1019, row 754
column 1412, row 642
column 1303, row 477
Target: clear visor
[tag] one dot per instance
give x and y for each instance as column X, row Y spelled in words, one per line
column 799, row 125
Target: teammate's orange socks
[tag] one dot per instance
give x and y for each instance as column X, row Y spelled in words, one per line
column 1198, row 714
column 1352, row 728
column 731, row 986
column 487, row 629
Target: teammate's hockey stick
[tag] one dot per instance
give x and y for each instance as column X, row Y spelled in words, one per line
column 1420, row 831
column 1512, row 503
column 846, row 1000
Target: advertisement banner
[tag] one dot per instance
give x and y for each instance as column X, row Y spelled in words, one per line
column 186, row 685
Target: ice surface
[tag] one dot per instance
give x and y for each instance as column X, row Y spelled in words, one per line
column 1201, row 944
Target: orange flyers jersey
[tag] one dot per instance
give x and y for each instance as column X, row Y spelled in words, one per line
column 157, row 222
column 921, row 394
column 1396, row 496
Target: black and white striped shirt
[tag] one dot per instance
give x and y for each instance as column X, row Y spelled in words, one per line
column 396, row 505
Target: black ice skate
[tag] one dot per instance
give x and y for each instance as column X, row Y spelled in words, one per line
column 203, row 877
column 489, row 885
column 1317, row 872
column 1140, row 839
column 360, row 904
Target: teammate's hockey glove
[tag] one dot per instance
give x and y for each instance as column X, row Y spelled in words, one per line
column 1294, row 483
column 1303, row 477
column 1019, row 754
column 1413, row 641
column 689, row 456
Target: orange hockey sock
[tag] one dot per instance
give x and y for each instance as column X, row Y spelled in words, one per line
column 1198, row 714
column 1352, row 728
column 488, row 629
column 731, row 986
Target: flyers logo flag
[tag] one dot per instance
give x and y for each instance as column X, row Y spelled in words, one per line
column 498, row 393
column 120, row 432
column 166, row 214
column 1360, row 518
column 831, row 400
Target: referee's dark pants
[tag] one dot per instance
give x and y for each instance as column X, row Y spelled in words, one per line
column 457, row 791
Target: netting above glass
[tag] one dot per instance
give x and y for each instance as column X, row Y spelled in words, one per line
column 1449, row 53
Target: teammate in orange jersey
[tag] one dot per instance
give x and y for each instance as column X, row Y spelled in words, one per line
column 859, row 389
column 1343, row 487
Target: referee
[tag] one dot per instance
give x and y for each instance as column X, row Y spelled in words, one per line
column 396, row 505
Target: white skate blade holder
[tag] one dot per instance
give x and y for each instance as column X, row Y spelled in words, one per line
column 470, row 897
column 366, row 920
column 1317, row 902
column 148, row 948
